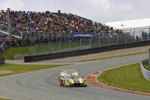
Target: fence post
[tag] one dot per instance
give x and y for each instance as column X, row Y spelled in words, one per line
column 108, row 40
column 117, row 38
column 80, row 43
column 37, row 48
column 59, row 45
column 70, row 44
column 49, row 46
column 126, row 40
column 90, row 42
column 99, row 41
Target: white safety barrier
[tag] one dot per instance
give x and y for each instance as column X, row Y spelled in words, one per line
column 145, row 72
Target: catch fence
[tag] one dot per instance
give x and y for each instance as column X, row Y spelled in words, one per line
column 80, row 43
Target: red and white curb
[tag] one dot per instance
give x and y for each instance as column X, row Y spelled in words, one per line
column 92, row 79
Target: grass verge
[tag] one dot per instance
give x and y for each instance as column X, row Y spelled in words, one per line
column 9, row 54
column 127, row 77
column 4, row 99
column 147, row 67
column 113, row 57
column 19, row 68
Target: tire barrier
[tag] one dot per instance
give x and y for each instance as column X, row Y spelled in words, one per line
column 45, row 56
column 145, row 72
column 2, row 60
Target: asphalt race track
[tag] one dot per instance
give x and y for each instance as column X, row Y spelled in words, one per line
column 43, row 84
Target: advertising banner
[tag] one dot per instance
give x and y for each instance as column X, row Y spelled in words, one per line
column 83, row 35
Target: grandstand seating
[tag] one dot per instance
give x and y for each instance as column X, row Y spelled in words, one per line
column 30, row 28
column 29, row 22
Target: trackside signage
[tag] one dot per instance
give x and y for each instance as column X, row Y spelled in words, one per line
column 83, row 35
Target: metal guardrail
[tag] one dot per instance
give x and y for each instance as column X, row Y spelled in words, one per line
column 145, row 72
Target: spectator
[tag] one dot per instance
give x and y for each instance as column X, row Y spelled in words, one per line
column 29, row 22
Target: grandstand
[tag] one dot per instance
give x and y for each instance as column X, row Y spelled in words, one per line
column 30, row 28
column 42, row 23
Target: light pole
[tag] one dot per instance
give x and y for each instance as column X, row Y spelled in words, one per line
column 9, row 23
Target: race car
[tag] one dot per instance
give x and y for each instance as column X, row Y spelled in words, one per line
column 72, row 81
column 68, row 79
column 69, row 72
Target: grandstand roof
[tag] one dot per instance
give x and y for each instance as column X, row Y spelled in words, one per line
column 129, row 24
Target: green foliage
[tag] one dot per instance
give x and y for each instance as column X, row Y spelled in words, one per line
column 128, row 77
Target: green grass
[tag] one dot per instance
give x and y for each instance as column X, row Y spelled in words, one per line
column 9, row 54
column 19, row 68
column 147, row 67
column 52, row 47
column 128, row 77
column 4, row 99
column 104, row 58
column 64, row 45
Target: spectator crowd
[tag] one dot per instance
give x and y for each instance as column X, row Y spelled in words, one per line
column 57, row 24
column 28, row 22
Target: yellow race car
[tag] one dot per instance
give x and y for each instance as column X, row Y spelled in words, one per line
column 69, row 78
